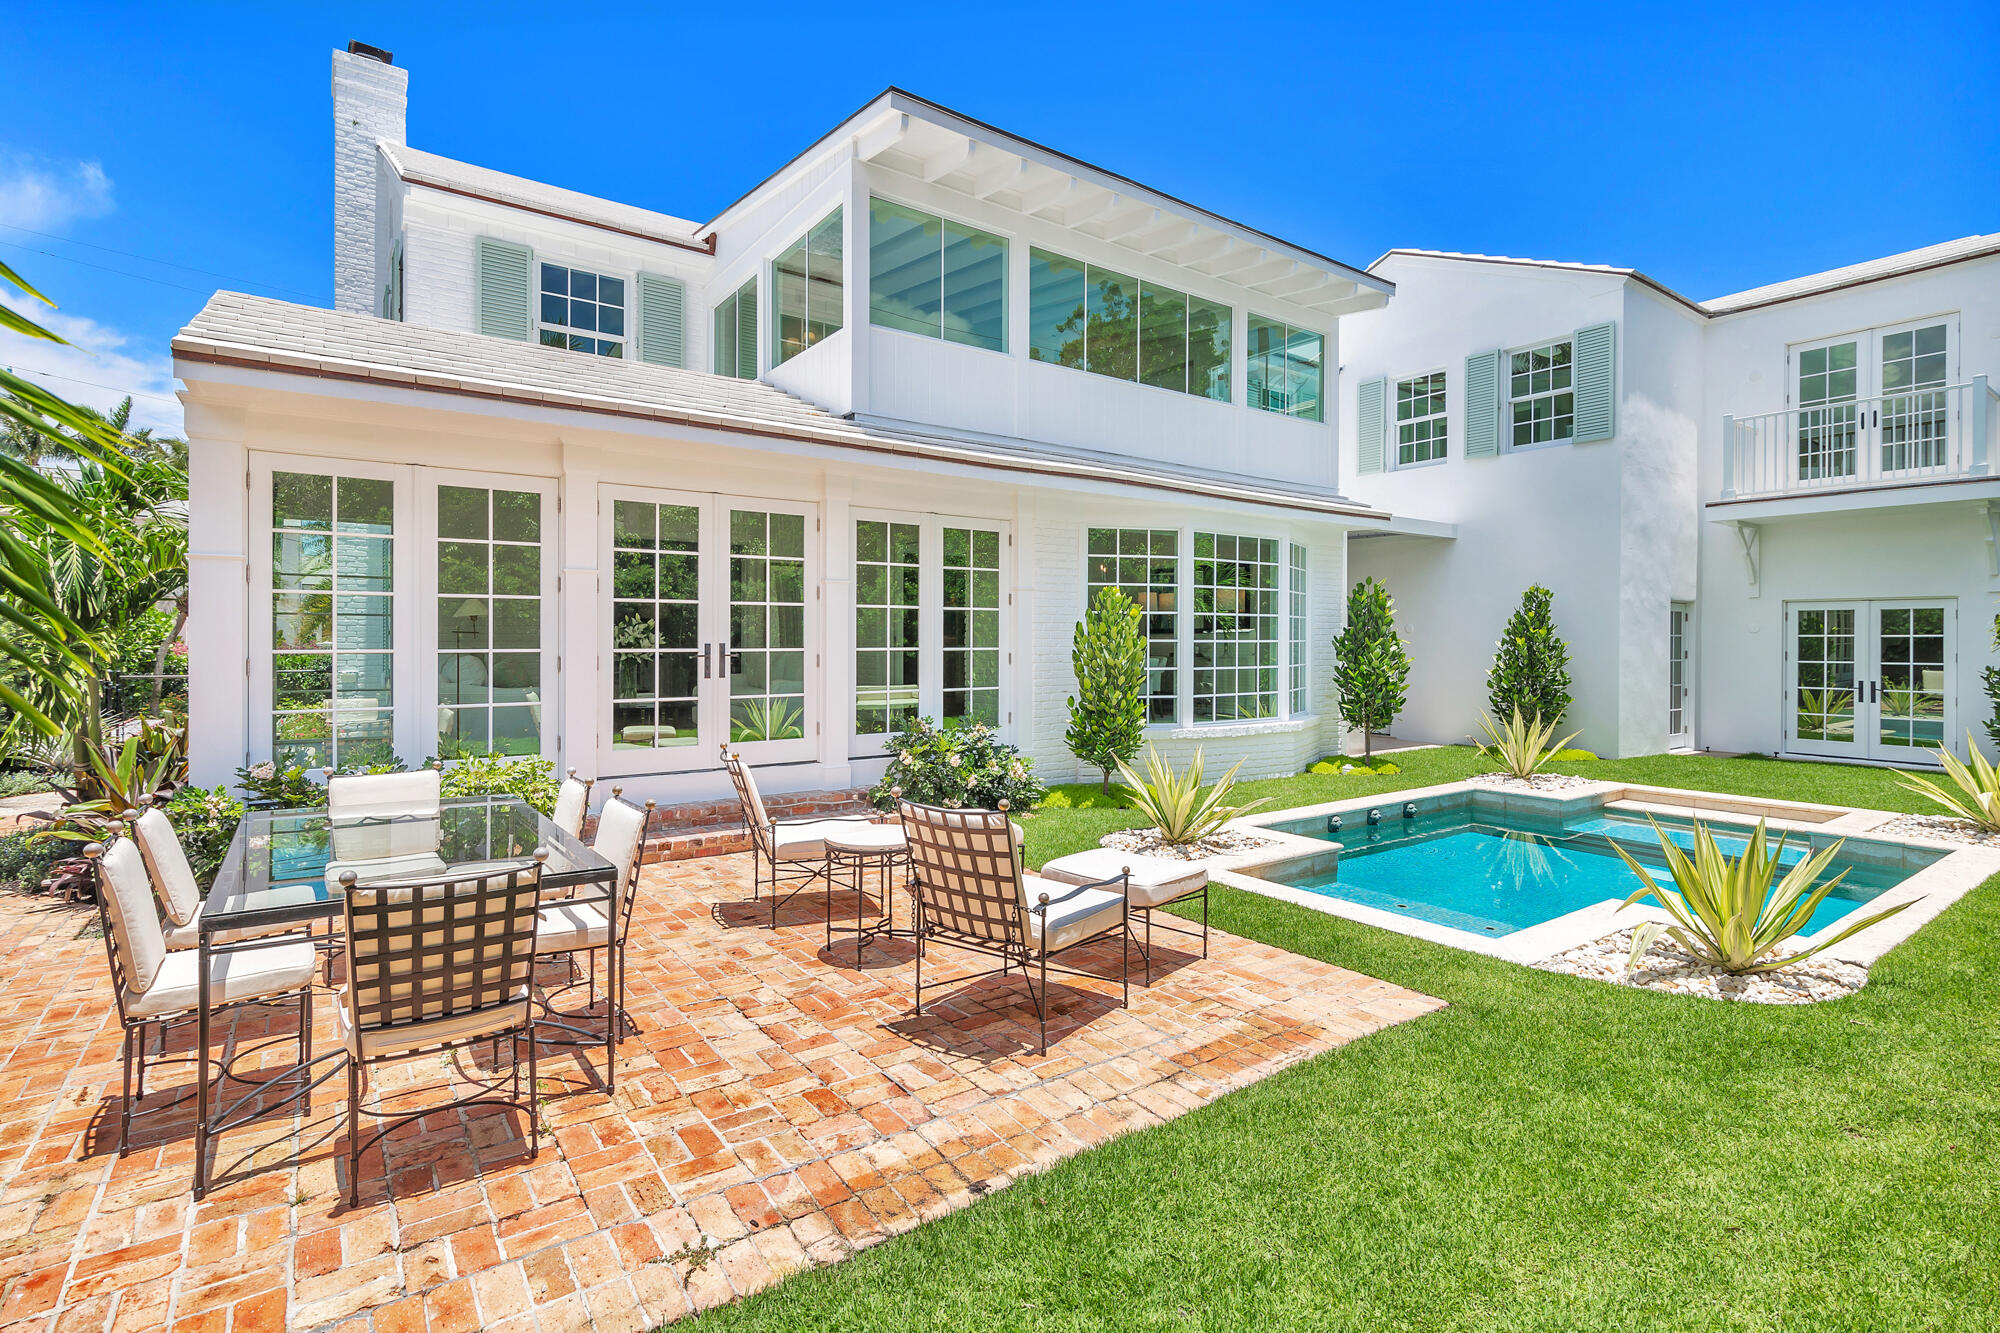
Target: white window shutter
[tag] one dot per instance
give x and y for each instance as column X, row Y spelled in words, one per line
column 1482, row 404
column 1371, row 424
column 662, row 320
column 1596, row 387
column 503, row 290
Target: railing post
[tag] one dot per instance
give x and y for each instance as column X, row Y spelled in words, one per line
column 1728, row 457
column 1982, row 422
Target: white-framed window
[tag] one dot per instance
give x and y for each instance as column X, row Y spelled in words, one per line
column 1089, row 318
column 1541, row 402
column 1235, row 627
column 970, row 642
column 1420, row 420
column 1295, row 602
column 1145, row 565
column 935, row 276
column 808, row 290
column 581, row 310
column 1680, row 672
column 888, row 628
column 1286, row 368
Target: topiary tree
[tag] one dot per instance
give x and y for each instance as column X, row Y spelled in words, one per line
column 1531, row 665
column 1371, row 667
column 1107, row 714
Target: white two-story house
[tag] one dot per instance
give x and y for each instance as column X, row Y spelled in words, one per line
column 1784, row 537
column 562, row 476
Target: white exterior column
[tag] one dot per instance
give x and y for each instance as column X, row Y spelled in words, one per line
column 583, row 678
column 218, row 627
column 836, row 631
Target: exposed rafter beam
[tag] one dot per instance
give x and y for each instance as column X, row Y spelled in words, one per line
column 1037, row 197
column 1170, row 233
column 1268, row 271
column 1141, row 219
column 1298, row 284
column 1235, row 260
column 879, row 138
column 1008, row 175
column 1204, row 248
column 1087, row 204
column 951, row 159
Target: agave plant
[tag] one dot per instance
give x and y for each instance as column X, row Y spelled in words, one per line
column 1174, row 801
column 1521, row 747
column 1977, row 797
column 1727, row 912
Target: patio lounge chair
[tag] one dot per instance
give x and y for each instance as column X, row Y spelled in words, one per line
column 436, row 966
column 789, row 855
column 158, row 989
column 572, row 927
column 971, row 891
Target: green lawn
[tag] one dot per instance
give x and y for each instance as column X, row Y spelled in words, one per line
column 1547, row 1153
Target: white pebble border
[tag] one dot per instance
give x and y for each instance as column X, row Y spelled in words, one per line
column 1539, row 782
column 1668, row 967
column 1938, row 827
column 1146, row 842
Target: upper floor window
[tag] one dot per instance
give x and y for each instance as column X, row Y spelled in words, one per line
column 1286, row 369
column 808, row 291
column 1540, row 401
column 1094, row 319
column 936, row 277
column 582, row 311
column 736, row 333
column 1420, row 419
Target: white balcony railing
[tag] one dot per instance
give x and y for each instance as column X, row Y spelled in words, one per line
column 1917, row 435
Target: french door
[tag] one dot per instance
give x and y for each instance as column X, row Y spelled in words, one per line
column 1871, row 679
column 707, row 618
column 1875, row 403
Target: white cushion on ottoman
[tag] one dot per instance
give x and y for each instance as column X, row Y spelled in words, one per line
column 1156, row 880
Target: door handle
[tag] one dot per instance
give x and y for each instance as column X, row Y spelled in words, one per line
column 728, row 663
column 707, row 667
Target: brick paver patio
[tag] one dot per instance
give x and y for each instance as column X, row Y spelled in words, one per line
column 775, row 1108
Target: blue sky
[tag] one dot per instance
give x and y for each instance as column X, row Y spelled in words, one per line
column 150, row 153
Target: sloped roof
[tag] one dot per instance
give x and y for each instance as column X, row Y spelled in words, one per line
column 1608, row 269
column 259, row 333
column 1889, row 266
column 444, row 173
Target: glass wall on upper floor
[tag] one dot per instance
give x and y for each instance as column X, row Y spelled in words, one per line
column 936, row 277
column 808, row 290
column 1093, row 318
column 1286, row 369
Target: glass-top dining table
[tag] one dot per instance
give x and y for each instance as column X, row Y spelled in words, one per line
column 282, row 876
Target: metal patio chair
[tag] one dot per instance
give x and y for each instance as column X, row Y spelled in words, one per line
column 571, row 927
column 787, row 855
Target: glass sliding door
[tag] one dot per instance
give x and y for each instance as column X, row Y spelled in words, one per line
column 1871, row 679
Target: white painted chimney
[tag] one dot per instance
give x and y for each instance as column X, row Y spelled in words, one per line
column 370, row 103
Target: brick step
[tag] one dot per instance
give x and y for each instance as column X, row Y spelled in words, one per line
column 715, row 828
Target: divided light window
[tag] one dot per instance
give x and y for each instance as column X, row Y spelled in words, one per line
column 656, row 646
column 932, row 276
column 1286, row 368
column 1235, row 627
column 971, row 626
column 489, row 575
column 887, row 633
column 1144, row 564
column 332, row 613
column 1541, row 402
column 807, row 290
column 1296, row 605
column 1091, row 318
column 736, row 333
column 767, row 622
column 582, row 311
column 1420, row 419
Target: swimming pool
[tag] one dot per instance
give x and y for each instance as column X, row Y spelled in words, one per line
column 1480, row 864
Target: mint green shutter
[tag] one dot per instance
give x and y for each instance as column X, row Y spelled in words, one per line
column 1371, row 425
column 502, row 290
column 746, row 331
column 662, row 314
column 1596, row 389
column 1482, row 405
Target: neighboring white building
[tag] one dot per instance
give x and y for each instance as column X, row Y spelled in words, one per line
column 1785, row 538
column 563, row 476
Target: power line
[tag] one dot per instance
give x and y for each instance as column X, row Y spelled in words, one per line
column 106, row 268
column 148, row 259
column 115, row 388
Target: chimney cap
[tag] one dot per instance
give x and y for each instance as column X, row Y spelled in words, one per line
column 372, row 52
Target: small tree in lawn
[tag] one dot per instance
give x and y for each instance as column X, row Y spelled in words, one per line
column 1531, row 666
column 1107, row 714
column 1371, row 667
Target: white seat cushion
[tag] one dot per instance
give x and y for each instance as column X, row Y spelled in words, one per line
column 1156, row 880
column 246, row 975
column 434, row 1032
column 565, row 926
column 189, row 936
column 1090, row 912
column 804, row 839
column 855, row 835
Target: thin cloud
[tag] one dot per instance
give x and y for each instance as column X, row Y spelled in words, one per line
column 46, row 196
column 98, row 369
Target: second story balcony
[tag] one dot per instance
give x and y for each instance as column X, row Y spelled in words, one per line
column 1894, row 442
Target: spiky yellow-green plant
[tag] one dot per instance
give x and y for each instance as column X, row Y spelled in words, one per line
column 1726, row 911
column 1521, row 747
column 1174, row 801
column 1978, row 784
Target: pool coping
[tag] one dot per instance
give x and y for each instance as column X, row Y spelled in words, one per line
column 1930, row 889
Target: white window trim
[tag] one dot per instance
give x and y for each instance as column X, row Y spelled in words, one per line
column 1507, row 444
column 1393, row 447
column 769, row 272
column 1013, row 240
column 624, row 340
column 1289, row 328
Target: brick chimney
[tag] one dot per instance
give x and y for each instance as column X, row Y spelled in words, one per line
column 370, row 102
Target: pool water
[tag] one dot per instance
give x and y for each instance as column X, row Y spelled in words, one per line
column 1493, row 873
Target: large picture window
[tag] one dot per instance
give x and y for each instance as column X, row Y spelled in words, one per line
column 808, row 291
column 1144, row 564
column 1091, row 318
column 936, row 277
column 582, row 311
column 1235, row 627
column 332, row 619
column 1541, row 402
column 489, row 616
column 1286, row 369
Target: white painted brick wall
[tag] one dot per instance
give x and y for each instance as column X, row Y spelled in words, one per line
column 370, row 102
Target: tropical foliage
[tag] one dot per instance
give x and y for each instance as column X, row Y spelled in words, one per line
column 1371, row 667
column 1974, row 793
column 767, row 720
column 1175, row 802
column 1727, row 912
column 1107, row 714
column 529, row 777
column 205, row 821
column 968, row 767
column 1520, row 746
column 1530, row 669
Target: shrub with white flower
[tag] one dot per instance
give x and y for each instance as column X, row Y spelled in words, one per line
column 957, row 766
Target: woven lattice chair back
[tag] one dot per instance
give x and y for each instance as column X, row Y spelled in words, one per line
column 749, row 798
column 420, row 952
column 967, row 865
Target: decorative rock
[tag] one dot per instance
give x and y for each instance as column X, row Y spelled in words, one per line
column 1939, row 827
column 1146, row 842
column 1539, row 782
column 1668, row 967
